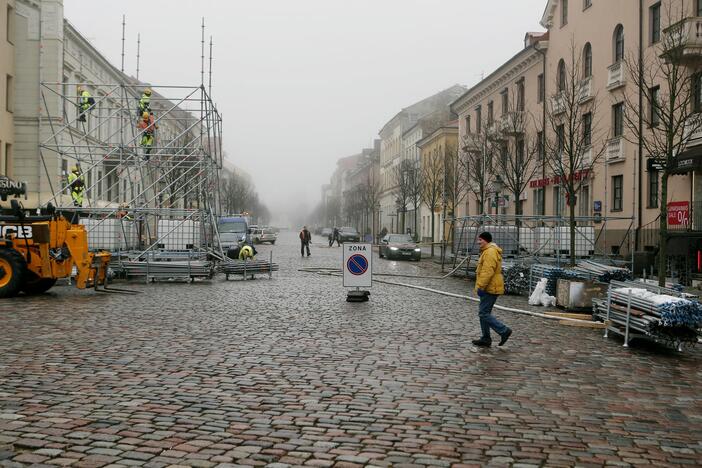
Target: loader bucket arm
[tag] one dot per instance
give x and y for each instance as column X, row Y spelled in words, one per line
column 92, row 267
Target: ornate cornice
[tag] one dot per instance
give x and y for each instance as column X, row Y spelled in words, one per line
column 508, row 72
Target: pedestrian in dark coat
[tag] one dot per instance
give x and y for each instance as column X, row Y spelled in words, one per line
column 305, row 239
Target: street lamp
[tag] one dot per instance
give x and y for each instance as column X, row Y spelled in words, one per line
column 392, row 221
column 498, row 185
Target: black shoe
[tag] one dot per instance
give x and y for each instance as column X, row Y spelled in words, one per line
column 482, row 343
column 505, row 336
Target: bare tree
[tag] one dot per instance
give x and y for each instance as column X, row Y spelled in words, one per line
column 479, row 152
column 433, row 174
column 455, row 186
column 414, row 189
column 573, row 141
column 667, row 111
column 371, row 197
column 518, row 161
column 402, row 189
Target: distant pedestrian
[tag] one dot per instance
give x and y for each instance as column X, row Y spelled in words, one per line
column 489, row 284
column 305, row 239
column 334, row 236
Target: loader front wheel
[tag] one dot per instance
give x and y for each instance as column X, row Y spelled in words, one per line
column 34, row 285
column 12, row 272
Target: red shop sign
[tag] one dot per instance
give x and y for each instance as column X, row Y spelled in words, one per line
column 678, row 213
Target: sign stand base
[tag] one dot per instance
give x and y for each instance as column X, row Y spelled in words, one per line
column 357, row 296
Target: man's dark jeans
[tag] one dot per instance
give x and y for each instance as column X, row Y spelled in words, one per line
column 304, row 244
column 487, row 320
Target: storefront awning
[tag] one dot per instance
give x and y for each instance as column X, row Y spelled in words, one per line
column 688, row 161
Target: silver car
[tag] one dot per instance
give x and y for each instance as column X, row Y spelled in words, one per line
column 399, row 246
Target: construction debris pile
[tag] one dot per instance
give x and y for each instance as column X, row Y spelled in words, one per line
column 517, row 279
column 637, row 309
column 248, row 267
column 602, row 273
column 552, row 274
column 164, row 265
column 585, row 270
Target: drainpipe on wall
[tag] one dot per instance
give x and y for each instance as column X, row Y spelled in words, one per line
column 637, row 240
column 543, row 125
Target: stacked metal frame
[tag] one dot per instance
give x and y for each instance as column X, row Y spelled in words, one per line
column 144, row 200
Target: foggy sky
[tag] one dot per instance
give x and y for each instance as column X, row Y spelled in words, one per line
column 301, row 83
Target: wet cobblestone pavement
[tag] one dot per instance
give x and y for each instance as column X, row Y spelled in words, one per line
column 286, row 373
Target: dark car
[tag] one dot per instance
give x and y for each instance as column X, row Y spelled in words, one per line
column 399, row 246
column 349, row 234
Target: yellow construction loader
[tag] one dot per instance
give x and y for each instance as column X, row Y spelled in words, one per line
column 37, row 250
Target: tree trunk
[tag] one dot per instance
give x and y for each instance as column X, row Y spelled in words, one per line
column 571, row 205
column 663, row 231
column 416, row 212
column 433, row 227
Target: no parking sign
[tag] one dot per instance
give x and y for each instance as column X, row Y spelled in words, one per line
column 358, row 259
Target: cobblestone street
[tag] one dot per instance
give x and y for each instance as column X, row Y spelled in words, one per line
column 285, row 372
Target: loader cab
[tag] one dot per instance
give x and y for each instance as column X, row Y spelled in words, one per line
column 233, row 232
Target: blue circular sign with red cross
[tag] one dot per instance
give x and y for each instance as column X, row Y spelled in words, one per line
column 357, row 264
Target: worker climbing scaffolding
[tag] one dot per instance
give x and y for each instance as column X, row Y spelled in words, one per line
column 145, row 102
column 85, row 103
column 147, row 126
column 76, row 183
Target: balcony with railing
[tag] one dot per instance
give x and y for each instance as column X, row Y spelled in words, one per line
column 471, row 143
column 693, row 130
column 586, row 158
column 585, row 92
column 558, row 103
column 512, row 123
column 615, row 150
column 683, row 40
column 615, row 76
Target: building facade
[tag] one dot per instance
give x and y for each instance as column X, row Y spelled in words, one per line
column 433, row 150
column 7, row 85
column 592, row 44
column 52, row 59
column 398, row 139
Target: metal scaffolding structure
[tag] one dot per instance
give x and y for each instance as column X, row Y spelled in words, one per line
column 140, row 196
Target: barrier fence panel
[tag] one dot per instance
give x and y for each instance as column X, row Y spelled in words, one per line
column 543, row 238
column 145, row 189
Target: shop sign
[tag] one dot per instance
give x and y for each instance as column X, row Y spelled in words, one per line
column 678, row 213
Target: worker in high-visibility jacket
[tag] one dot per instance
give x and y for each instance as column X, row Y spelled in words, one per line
column 145, row 102
column 246, row 253
column 76, row 182
column 85, row 103
column 147, row 126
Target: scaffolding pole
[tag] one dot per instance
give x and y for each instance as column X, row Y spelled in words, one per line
column 145, row 190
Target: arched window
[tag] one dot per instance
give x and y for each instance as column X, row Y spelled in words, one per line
column 587, row 61
column 618, row 43
column 561, row 76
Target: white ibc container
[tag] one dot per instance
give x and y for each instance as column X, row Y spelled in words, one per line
column 543, row 241
column 584, row 240
column 178, row 234
column 464, row 239
column 526, row 239
column 102, row 234
column 505, row 237
column 110, row 234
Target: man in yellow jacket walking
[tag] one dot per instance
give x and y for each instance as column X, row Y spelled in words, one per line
column 489, row 284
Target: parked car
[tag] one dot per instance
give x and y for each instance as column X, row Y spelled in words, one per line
column 263, row 235
column 233, row 232
column 326, row 232
column 399, row 246
column 349, row 234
